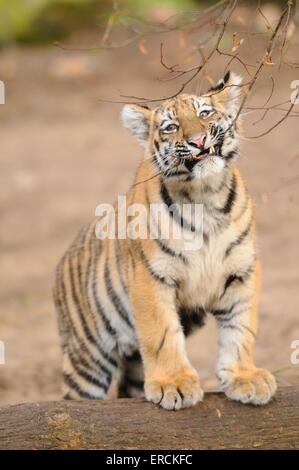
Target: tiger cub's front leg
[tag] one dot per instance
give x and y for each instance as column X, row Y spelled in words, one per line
column 170, row 380
column 237, row 321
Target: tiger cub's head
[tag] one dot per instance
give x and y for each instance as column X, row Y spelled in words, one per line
column 190, row 135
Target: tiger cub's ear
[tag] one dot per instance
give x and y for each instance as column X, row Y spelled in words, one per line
column 228, row 91
column 136, row 118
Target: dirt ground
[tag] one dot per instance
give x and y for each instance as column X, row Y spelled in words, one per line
column 62, row 152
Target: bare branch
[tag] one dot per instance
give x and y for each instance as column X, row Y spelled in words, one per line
column 268, row 52
column 208, row 26
column 276, row 124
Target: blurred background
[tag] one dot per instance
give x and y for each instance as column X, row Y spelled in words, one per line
column 63, row 151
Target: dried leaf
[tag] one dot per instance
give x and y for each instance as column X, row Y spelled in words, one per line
column 236, row 42
column 141, row 47
column 267, row 59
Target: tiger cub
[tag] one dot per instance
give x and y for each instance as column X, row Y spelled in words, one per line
column 126, row 303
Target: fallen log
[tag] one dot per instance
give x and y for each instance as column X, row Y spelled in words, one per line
column 217, row 423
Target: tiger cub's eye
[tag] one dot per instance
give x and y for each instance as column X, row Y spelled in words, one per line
column 171, row 128
column 206, row 113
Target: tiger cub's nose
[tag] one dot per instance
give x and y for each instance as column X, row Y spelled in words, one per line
column 198, row 141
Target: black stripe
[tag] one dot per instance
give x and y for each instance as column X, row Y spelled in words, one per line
column 79, row 239
column 239, row 240
column 74, row 386
column 109, row 328
column 177, row 173
column 225, row 313
column 98, row 365
column 232, row 278
column 230, row 155
column 94, row 360
column 155, row 275
column 71, row 329
column 113, row 296
column 88, row 376
column 249, row 330
column 86, row 330
column 173, row 209
column 246, row 348
column 184, row 193
column 82, row 344
column 147, row 198
column 220, row 312
column 156, row 161
column 76, row 301
column 97, row 362
column 106, row 356
column 162, row 342
column 243, row 209
column 60, row 300
column 236, row 277
column 82, row 296
column 217, row 189
column 87, row 279
column 238, row 327
column 231, row 197
column 166, row 249
column 119, row 265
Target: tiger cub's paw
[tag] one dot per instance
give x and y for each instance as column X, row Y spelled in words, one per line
column 177, row 392
column 256, row 387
